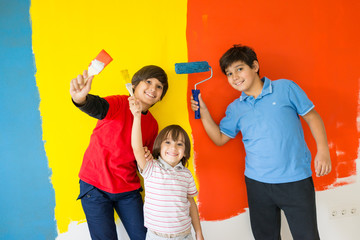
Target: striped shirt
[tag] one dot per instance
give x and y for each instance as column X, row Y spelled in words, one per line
column 167, row 188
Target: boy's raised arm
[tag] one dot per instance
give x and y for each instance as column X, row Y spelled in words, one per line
column 92, row 105
column 136, row 136
column 322, row 159
column 211, row 128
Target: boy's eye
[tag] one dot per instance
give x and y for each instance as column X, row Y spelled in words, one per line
column 180, row 144
column 160, row 87
column 228, row 74
column 148, row 81
column 239, row 69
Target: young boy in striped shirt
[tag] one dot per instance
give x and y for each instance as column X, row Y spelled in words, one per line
column 169, row 208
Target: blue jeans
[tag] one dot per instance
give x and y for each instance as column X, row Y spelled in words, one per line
column 99, row 208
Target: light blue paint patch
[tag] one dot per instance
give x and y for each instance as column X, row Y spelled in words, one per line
column 27, row 198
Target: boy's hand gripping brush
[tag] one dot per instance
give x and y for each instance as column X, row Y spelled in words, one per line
column 99, row 63
column 194, row 67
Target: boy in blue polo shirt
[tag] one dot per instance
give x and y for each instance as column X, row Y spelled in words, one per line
column 278, row 162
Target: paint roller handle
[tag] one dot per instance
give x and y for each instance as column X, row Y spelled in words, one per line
column 195, row 93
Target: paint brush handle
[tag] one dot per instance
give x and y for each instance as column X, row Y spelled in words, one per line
column 129, row 88
column 195, row 93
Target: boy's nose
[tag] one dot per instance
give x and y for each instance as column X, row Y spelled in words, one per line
column 235, row 76
column 173, row 146
column 152, row 88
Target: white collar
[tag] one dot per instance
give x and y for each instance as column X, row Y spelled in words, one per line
column 163, row 164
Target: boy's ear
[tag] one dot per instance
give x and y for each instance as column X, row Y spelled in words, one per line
column 255, row 66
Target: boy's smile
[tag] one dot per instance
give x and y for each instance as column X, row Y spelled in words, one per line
column 148, row 92
column 244, row 78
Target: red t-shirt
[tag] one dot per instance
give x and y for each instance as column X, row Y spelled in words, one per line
column 109, row 163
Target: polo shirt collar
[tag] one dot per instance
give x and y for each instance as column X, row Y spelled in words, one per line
column 267, row 89
column 167, row 166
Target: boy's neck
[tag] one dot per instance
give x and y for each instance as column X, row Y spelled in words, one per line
column 256, row 89
column 145, row 107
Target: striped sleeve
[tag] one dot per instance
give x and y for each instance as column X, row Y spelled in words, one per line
column 146, row 172
column 192, row 190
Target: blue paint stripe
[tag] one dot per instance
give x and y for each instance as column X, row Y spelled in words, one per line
column 27, row 198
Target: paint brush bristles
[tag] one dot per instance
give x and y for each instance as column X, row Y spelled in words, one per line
column 104, row 57
column 125, row 76
column 99, row 63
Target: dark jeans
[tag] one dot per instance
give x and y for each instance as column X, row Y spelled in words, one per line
column 296, row 199
column 99, row 208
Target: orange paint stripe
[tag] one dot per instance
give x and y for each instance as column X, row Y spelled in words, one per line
column 290, row 43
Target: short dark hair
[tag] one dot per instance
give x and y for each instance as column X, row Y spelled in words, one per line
column 151, row 71
column 174, row 132
column 236, row 53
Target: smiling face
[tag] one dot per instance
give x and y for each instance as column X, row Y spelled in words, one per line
column 244, row 78
column 148, row 92
column 172, row 151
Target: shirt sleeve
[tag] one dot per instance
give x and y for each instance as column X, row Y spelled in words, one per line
column 299, row 100
column 229, row 124
column 94, row 106
column 192, row 191
column 146, row 172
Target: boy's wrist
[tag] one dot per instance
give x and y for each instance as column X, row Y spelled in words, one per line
column 199, row 234
column 79, row 102
column 324, row 148
column 137, row 115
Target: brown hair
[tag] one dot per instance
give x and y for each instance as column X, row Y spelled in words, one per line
column 174, row 132
column 151, row 71
column 236, row 53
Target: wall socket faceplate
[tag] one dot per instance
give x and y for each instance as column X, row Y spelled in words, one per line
column 349, row 210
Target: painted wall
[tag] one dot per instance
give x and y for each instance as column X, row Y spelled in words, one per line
column 27, row 198
column 44, row 44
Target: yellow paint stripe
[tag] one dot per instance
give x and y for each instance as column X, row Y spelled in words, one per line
column 67, row 35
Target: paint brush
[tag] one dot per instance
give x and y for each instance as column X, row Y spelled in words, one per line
column 125, row 76
column 99, row 63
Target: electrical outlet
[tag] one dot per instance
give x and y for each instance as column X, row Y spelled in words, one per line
column 354, row 211
column 333, row 213
column 350, row 210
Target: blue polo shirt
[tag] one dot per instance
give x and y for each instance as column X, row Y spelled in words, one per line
column 276, row 151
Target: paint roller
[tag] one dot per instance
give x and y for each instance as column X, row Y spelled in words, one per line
column 194, row 67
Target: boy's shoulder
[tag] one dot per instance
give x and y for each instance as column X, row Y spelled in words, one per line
column 284, row 85
column 282, row 81
column 186, row 170
column 281, row 85
column 117, row 100
column 117, row 97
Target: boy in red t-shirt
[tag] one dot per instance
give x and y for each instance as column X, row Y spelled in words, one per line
column 108, row 177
